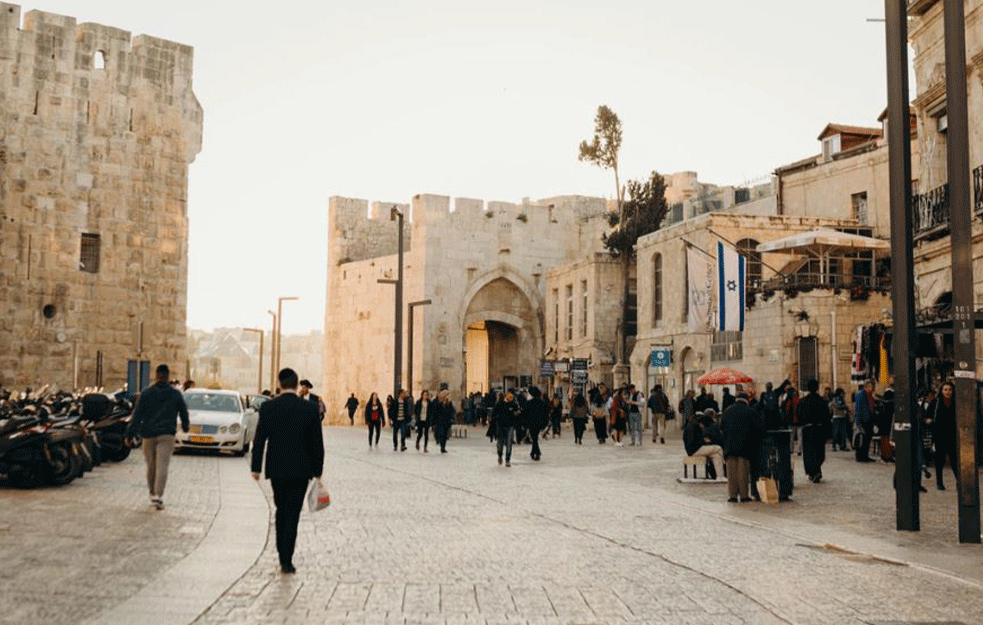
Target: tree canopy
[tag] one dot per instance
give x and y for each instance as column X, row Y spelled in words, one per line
column 603, row 149
column 643, row 213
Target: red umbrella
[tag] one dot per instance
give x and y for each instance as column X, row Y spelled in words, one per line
column 724, row 376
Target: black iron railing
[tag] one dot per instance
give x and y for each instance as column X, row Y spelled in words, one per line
column 930, row 210
column 807, row 281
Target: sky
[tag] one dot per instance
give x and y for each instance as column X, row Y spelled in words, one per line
column 384, row 100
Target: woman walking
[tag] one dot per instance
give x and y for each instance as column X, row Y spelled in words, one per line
column 506, row 415
column 599, row 411
column 578, row 414
column 556, row 416
column 424, row 411
column 375, row 418
column 942, row 420
column 444, row 415
column 619, row 416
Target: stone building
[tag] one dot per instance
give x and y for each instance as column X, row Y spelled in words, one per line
column 932, row 253
column 483, row 267
column 791, row 316
column 97, row 131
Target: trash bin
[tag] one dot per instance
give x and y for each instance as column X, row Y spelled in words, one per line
column 775, row 460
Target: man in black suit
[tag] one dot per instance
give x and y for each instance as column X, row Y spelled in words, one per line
column 289, row 430
column 305, row 393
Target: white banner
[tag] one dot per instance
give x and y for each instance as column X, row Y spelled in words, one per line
column 731, row 285
column 700, row 278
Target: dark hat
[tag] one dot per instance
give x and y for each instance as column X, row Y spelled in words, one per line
column 306, row 383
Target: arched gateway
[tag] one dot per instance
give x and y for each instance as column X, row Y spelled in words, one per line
column 502, row 332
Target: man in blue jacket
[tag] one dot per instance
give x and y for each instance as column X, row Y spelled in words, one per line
column 864, row 416
column 155, row 419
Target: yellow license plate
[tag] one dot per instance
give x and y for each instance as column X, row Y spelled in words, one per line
column 201, row 439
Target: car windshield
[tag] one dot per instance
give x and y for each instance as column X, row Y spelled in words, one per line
column 212, row 401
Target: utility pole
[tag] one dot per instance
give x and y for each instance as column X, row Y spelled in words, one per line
column 273, row 353
column 907, row 472
column 259, row 376
column 279, row 329
column 409, row 343
column 961, row 243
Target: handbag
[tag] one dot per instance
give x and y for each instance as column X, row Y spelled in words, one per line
column 317, row 496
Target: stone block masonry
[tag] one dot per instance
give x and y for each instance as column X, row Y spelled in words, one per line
column 97, row 131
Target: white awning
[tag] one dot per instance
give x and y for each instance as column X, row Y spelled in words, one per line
column 823, row 241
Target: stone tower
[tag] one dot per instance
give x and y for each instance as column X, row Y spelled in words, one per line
column 97, row 131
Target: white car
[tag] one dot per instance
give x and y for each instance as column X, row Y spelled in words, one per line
column 218, row 421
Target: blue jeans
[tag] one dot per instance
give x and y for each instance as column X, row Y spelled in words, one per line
column 635, row 427
column 505, row 439
column 839, row 434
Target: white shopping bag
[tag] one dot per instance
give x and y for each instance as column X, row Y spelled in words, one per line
column 317, row 496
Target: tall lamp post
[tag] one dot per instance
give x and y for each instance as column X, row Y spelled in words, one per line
column 273, row 352
column 259, row 376
column 279, row 328
column 906, row 426
column 396, row 215
column 961, row 237
column 409, row 347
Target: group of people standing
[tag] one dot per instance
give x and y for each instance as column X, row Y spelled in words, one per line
column 405, row 415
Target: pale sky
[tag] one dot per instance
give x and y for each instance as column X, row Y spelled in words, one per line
column 383, row 100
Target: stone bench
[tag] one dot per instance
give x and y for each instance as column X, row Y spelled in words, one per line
column 696, row 462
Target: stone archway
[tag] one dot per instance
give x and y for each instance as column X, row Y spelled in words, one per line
column 502, row 335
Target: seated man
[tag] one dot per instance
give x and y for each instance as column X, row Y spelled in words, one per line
column 700, row 444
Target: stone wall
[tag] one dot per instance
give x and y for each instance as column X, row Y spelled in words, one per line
column 459, row 250
column 97, row 130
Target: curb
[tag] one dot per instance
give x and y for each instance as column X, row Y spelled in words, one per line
column 234, row 542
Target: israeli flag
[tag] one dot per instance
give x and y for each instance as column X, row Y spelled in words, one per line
column 731, row 284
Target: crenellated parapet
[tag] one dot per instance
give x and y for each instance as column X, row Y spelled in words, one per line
column 357, row 233
column 53, row 67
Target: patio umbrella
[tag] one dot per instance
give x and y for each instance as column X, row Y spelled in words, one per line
column 822, row 243
column 724, row 376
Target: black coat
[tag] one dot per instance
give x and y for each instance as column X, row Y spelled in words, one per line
column 158, row 410
column 693, row 437
column 289, row 431
column 433, row 406
column 535, row 416
column 814, row 411
column 394, row 410
column 382, row 413
column 742, row 431
column 506, row 414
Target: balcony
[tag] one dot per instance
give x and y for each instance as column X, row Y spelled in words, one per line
column 858, row 287
column 930, row 210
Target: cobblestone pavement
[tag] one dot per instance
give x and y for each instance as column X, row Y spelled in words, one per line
column 592, row 534
column 72, row 552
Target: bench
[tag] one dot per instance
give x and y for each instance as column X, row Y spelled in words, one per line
column 459, row 431
column 696, row 462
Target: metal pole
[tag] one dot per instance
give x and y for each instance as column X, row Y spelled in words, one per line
column 409, row 343
column 279, row 329
column 396, row 215
column 259, row 376
column 963, row 307
column 906, row 434
column 272, row 353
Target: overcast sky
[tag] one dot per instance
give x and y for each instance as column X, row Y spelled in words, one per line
column 383, row 100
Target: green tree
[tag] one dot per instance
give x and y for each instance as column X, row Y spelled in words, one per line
column 603, row 150
column 644, row 211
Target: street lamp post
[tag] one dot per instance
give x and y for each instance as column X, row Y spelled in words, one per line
column 409, row 347
column 259, row 376
column 963, row 306
column 273, row 352
column 906, row 426
column 279, row 328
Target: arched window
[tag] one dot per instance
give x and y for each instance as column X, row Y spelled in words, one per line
column 748, row 248
column 656, row 289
